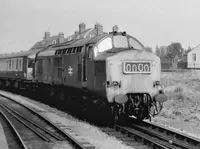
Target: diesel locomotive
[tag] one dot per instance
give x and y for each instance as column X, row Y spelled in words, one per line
column 90, row 68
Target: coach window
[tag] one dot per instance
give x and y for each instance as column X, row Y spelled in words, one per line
column 17, row 64
column 10, row 65
column 135, row 44
column 104, row 45
column 20, row 64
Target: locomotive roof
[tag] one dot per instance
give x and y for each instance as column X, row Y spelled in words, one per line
column 75, row 43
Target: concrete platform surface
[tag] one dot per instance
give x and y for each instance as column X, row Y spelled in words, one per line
column 3, row 142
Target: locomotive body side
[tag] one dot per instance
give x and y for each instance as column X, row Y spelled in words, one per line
column 61, row 66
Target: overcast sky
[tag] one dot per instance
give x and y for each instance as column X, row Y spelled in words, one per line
column 153, row 22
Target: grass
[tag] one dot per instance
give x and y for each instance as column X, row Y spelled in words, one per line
column 183, row 91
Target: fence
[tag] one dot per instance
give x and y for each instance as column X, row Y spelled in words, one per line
column 173, row 65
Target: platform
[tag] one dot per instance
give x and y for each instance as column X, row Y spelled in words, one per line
column 3, row 142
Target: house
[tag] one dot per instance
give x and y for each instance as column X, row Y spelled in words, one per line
column 49, row 40
column 193, row 58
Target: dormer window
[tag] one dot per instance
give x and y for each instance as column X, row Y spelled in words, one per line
column 54, row 42
column 69, row 38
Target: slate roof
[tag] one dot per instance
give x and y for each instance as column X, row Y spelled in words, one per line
column 45, row 43
column 195, row 48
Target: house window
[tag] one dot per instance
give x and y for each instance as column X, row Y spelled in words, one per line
column 194, row 57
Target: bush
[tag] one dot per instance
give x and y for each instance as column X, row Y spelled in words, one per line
column 178, row 90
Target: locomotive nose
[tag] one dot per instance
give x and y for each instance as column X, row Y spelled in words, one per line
column 133, row 69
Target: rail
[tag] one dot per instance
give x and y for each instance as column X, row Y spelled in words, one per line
column 65, row 135
column 18, row 137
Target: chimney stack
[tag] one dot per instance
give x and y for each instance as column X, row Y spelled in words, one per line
column 99, row 28
column 46, row 36
column 81, row 28
column 115, row 28
column 76, row 32
column 61, row 37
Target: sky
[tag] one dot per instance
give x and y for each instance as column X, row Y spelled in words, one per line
column 152, row 22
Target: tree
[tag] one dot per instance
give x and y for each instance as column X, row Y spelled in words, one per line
column 157, row 51
column 175, row 49
column 163, row 51
column 149, row 49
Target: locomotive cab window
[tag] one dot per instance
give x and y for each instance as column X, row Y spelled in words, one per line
column 135, row 44
column 120, row 41
column 104, row 45
column 90, row 52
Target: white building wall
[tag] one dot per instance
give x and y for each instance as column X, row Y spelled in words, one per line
column 192, row 63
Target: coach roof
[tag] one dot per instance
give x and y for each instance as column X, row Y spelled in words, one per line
column 19, row 54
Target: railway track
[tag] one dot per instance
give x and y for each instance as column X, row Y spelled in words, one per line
column 15, row 141
column 153, row 136
column 30, row 129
